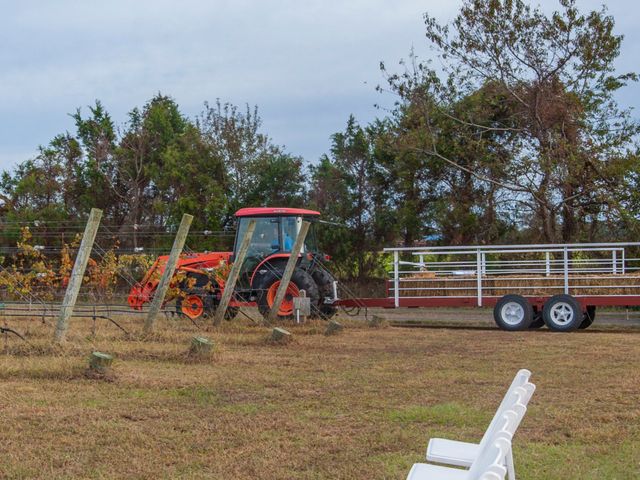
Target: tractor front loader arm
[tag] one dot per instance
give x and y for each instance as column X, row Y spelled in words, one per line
column 143, row 291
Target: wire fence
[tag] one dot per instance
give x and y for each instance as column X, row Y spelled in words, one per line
column 37, row 257
column 36, row 260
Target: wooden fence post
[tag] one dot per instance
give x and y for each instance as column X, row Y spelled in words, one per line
column 232, row 279
column 288, row 271
column 167, row 275
column 77, row 274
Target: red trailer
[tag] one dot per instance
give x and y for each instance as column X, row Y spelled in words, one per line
column 528, row 286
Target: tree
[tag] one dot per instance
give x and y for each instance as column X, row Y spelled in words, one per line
column 91, row 166
column 348, row 189
column 157, row 166
column 191, row 180
column 259, row 173
column 554, row 74
column 460, row 202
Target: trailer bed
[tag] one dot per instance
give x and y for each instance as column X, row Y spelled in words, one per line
column 596, row 275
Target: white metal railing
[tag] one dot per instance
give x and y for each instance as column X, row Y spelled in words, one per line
column 491, row 270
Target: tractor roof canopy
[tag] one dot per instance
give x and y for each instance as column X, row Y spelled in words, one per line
column 274, row 212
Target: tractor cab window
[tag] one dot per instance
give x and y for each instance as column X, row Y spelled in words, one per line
column 265, row 237
column 290, row 226
column 273, row 235
column 311, row 242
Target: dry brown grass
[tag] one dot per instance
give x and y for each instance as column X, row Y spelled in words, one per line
column 358, row 405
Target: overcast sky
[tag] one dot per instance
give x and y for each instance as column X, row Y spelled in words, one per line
column 306, row 64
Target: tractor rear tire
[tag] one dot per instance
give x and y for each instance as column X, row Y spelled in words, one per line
column 324, row 280
column 267, row 286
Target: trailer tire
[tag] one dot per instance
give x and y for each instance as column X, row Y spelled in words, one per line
column 562, row 313
column 513, row 313
column 589, row 317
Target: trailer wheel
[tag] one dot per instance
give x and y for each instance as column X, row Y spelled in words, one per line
column 513, row 312
column 562, row 313
column 589, row 317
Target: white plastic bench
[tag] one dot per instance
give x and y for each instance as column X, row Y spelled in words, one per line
column 462, row 454
column 489, row 461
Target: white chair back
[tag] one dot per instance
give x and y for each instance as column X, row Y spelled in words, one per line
column 517, row 400
column 522, row 395
column 529, row 388
column 496, row 471
column 490, row 460
column 491, row 456
column 517, row 412
column 521, row 378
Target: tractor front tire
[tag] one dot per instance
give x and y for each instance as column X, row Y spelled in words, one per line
column 267, row 286
column 231, row 313
column 197, row 298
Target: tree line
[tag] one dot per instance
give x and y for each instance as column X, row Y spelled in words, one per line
column 514, row 135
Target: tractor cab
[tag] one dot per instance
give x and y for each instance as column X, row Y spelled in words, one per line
column 269, row 250
column 276, row 231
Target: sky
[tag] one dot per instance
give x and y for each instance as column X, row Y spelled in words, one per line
column 307, row 65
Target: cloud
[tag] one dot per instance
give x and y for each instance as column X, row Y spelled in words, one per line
column 307, row 65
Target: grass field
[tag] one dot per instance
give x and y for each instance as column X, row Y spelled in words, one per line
column 361, row 405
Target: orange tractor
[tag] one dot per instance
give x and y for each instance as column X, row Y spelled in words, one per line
column 200, row 278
